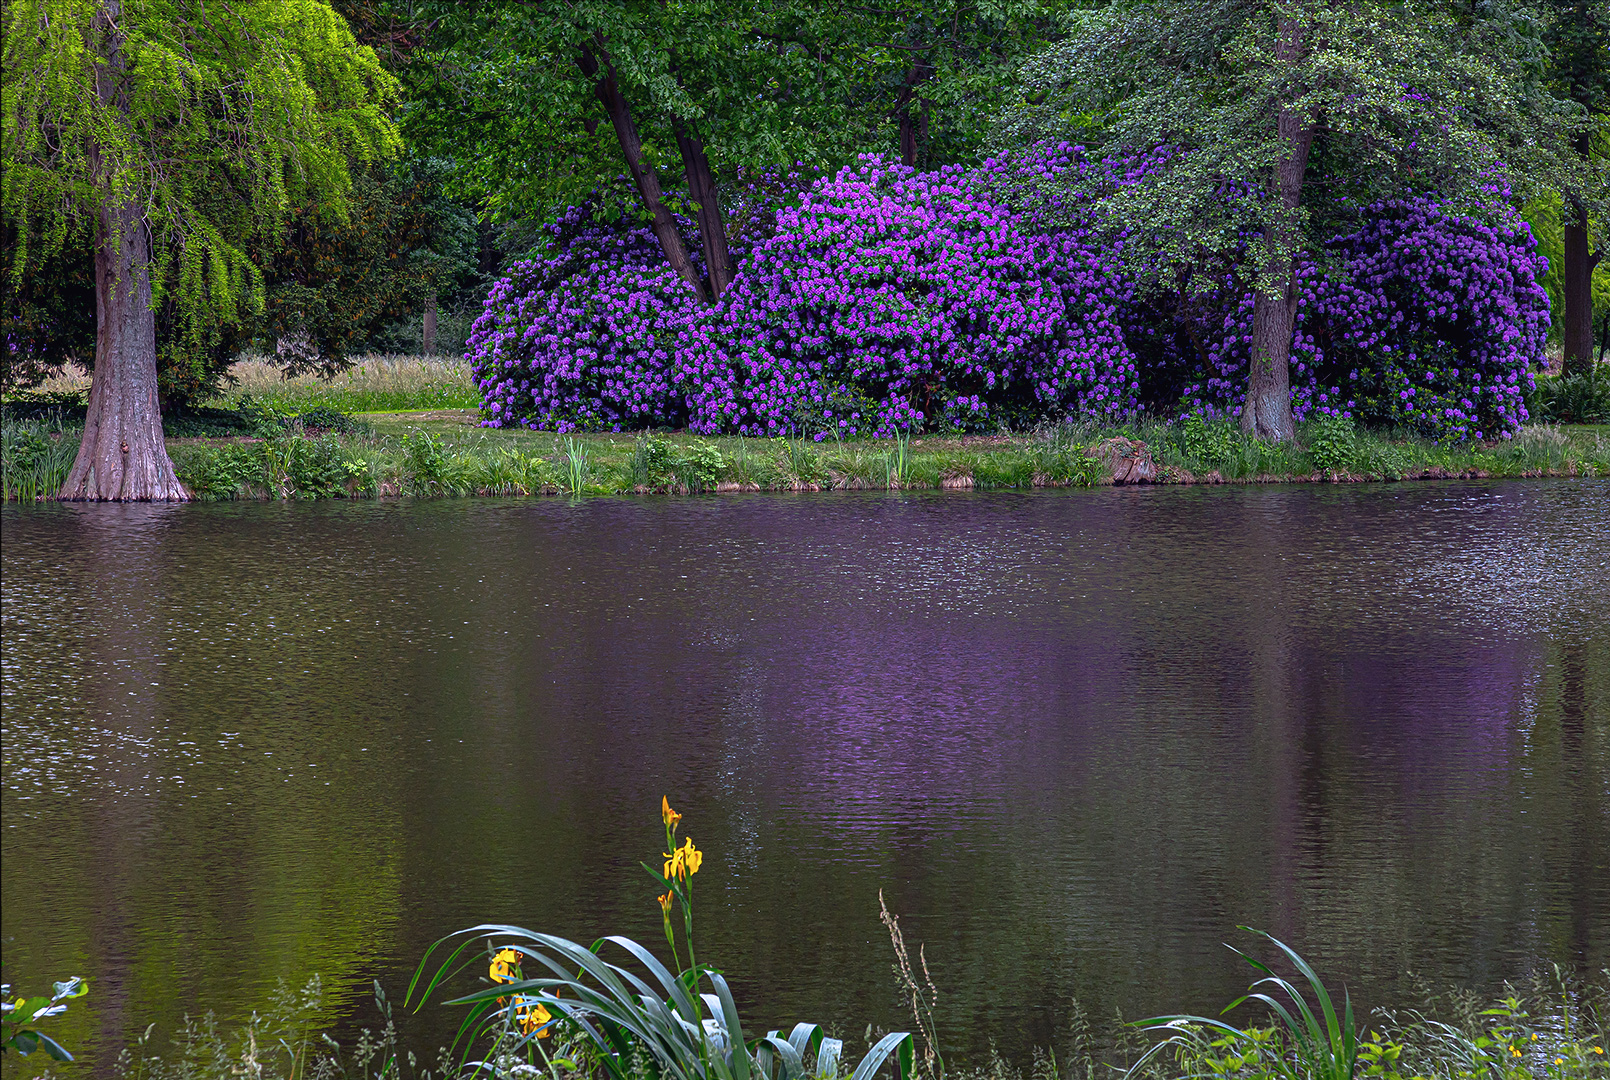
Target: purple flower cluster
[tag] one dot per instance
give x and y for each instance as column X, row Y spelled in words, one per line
column 896, row 300
column 1423, row 319
column 582, row 340
column 882, row 299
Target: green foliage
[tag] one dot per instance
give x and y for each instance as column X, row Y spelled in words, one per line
column 1543, row 215
column 1322, row 1045
column 344, row 276
column 1207, row 79
column 1582, row 398
column 218, row 124
column 651, row 461
column 577, row 466
column 631, row 1022
column 288, row 467
column 1211, row 441
column 698, row 465
column 47, row 310
column 19, row 1014
column 36, row 453
column 499, row 90
column 1332, row 444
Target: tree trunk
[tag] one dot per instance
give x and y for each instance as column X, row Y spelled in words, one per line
column 712, row 230
column 648, row 185
column 429, row 347
column 910, row 135
column 1576, row 281
column 122, row 457
column 1267, row 412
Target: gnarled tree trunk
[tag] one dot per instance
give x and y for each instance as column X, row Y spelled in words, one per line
column 1267, row 412
column 712, row 230
column 122, row 457
column 428, row 345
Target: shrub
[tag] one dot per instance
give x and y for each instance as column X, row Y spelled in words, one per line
column 1331, row 443
column 886, row 300
column 1428, row 320
column 1582, row 398
column 892, row 300
column 582, row 339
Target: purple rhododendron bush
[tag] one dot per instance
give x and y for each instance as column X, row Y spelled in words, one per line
column 885, row 299
column 1430, row 321
column 583, row 340
column 893, row 300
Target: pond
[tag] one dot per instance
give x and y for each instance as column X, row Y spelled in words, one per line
column 1074, row 737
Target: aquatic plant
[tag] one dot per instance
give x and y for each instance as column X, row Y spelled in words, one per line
column 1322, row 1045
column 613, row 1021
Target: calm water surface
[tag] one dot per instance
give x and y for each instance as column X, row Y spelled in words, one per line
column 1075, row 738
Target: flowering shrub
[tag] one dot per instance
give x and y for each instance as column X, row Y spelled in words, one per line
column 583, row 338
column 1431, row 321
column 896, row 300
column 890, row 300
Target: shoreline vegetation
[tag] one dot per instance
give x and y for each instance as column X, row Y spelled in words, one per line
column 550, row 1008
column 407, row 427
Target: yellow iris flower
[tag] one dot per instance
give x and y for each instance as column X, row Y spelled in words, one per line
column 530, row 1015
column 682, row 862
column 667, row 815
column 665, row 903
column 503, row 965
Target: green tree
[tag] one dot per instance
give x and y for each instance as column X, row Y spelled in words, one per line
column 1275, row 115
column 176, row 133
column 542, row 105
column 1578, row 38
column 930, row 74
column 339, row 281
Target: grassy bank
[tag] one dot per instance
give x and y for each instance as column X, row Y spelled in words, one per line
column 443, row 454
column 438, row 453
column 398, row 425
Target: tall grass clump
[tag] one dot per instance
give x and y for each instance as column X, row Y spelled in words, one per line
column 390, row 383
column 577, row 464
column 634, row 1018
column 35, row 456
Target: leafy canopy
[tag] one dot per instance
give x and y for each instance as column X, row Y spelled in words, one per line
column 763, row 83
column 217, row 119
column 1404, row 98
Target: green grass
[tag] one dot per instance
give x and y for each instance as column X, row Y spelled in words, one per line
column 445, row 454
column 35, row 456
